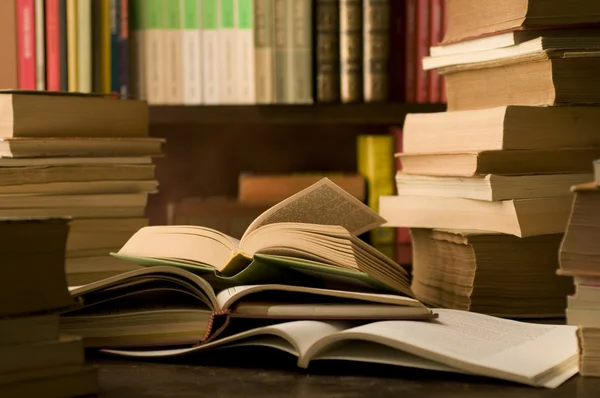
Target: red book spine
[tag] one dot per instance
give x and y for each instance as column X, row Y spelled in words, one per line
column 26, row 44
column 435, row 29
column 411, row 51
column 442, row 34
column 52, row 46
column 422, row 50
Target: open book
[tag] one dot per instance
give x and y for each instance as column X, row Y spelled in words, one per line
column 538, row 355
column 311, row 237
column 168, row 306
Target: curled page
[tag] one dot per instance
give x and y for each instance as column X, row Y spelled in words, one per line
column 322, row 203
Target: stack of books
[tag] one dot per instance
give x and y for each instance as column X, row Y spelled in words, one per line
column 580, row 258
column 486, row 185
column 78, row 156
column 224, row 51
column 35, row 359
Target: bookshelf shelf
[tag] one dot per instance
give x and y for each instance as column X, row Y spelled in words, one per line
column 355, row 114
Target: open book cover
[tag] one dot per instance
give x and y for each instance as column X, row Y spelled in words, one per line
column 459, row 341
column 301, row 259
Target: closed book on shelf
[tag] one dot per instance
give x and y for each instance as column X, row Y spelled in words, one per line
column 227, row 52
column 72, row 48
column 211, row 50
column 245, row 91
column 173, row 52
column 264, row 51
column 191, row 52
column 40, row 45
column 376, row 49
column 351, row 50
column 9, row 77
column 155, row 53
column 26, row 44
column 138, row 65
column 84, row 46
column 327, row 50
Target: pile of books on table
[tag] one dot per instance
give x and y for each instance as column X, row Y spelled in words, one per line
column 485, row 186
column 79, row 156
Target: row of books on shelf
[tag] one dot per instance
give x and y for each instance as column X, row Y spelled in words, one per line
column 225, row 51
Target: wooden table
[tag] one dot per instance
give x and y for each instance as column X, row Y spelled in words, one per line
column 267, row 374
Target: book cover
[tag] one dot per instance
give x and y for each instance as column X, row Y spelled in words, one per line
column 155, row 56
column 351, row 50
column 245, row 91
column 192, row 52
column 227, row 51
column 376, row 49
column 52, row 45
column 173, row 54
column 84, row 46
column 63, row 45
column 327, row 50
column 26, row 44
column 40, row 46
column 211, row 49
column 72, row 48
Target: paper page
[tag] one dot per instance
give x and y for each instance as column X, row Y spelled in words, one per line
column 322, row 203
column 227, row 297
column 478, row 344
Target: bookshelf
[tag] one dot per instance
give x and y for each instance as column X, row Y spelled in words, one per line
column 383, row 113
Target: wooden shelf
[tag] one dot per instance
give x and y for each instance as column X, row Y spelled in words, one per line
column 356, row 114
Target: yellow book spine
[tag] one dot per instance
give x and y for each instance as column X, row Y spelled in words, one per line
column 105, row 46
column 376, row 163
column 84, row 46
column 72, row 44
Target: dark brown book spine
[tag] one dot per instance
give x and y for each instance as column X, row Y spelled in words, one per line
column 327, row 60
column 376, row 49
column 351, row 86
column 397, row 60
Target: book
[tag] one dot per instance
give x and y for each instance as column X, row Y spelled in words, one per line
column 351, row 48
column 459, row 342
column 376, row 49
column 40, row 45
column 35, row 114
column 538, row 45
column 315, row 229
column 489, row 273
column 505, row 127
column 554, row 78
column 211, row 42
column 490, row 187
column 155, row 52
column 264, row 50
column 84, row 46
column 79, row 147
column 272, row 188
column 473, row 18
column 327, row 51
column 172, row 34
column 81, row 187
column 244, row 71
column 26, row 39
column 191, row 52
column 167, row 318
column 9, row 73
column 519, row 217
column 468, row 164
column 72, row 48
column 74, row 173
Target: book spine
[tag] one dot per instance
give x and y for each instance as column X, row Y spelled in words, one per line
column 192, row 52
column 301, row 66
column 376, row 44
column 411, row 51
column 327, row 51
column 26, row 44
column 123, row 43
column 282, row 51
column 138, row 49
column 9, row 72
column 397, row 60
column 377, row 164
column 40, row 46
column 442, row 34
column 104, row 66
column 84, row 46
column 227, row 50
column 211, row 49
column 63, row 45
column 115, row 18
column 351, row 86
column 72, row 45
column 52, row 46
column 435, row 29
column 264, row 51
column 173, row 56
column 422, row 80
column 96, row 46
column 244, row 42
column 154, row 52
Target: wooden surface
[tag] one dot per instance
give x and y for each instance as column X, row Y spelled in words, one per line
column 372, row 113
column 269, row 374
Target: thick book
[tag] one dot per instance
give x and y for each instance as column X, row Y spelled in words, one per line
column 327, row 50
column 315, row 229
column 460, row 342
column 473, row 18
column 505, row 127
column 468, row 164
column 490, row 187
column 169, row 306
column 519, row 217
column 541, row 78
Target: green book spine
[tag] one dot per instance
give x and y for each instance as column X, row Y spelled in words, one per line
column 211, row 69
column 191, row 53
column 155, row 56
column 173, row 54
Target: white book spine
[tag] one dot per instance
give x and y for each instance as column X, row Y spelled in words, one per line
column 173, row 52
column 192, row 52
column 227, row 51
column 40, row 53
column 245, row 84
column 155, row 54
column 211, row 49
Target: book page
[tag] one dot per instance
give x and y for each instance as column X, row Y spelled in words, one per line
column 478, row 344
column 321, row 203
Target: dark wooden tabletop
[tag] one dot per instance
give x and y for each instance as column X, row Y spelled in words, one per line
column 266, row 374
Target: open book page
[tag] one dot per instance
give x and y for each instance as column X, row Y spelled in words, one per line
column 237, row 294
column 541, row 355
column 321, row 203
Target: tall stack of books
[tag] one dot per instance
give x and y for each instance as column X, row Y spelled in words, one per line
column 35, row 360
column 486, row 185
column 78, row 156
column 224, row 51
column 580, row 258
